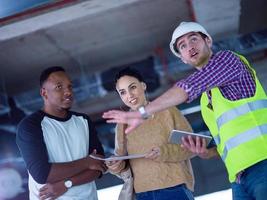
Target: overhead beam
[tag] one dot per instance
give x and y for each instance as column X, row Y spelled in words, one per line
column 59, row 16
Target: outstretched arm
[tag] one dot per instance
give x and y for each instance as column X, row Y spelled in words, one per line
column 173, row 96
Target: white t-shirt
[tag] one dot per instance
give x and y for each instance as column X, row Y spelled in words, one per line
column 65, row 140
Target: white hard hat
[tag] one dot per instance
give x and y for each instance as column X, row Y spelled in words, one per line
column 184, row 28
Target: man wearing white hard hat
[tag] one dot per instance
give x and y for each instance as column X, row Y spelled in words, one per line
column 233, row 105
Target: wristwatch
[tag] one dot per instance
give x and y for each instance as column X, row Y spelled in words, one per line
column 143, row 112
column 68, row 184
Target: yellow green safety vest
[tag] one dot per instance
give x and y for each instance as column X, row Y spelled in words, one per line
column 239, row 128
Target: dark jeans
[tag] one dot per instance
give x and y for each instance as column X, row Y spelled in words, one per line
column 253, row 183
column 179, row 192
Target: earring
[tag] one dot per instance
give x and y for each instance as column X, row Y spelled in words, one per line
column 144, row 86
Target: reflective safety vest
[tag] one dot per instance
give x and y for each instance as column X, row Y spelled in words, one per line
column 239, row 128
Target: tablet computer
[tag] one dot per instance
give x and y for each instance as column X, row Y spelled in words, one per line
column 176, row 136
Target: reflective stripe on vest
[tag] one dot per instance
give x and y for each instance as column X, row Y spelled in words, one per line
column 242, row 138
column 217, row 139
column 236, row 112
column 239, row 127
column 241, row 110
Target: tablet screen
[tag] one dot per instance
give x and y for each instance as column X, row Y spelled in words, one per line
column 176, row 136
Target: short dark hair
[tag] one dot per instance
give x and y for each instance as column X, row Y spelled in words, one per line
column 175, row 43
column 128, row 72
column 45, row 73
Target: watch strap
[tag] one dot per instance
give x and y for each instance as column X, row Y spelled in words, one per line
column 143, row 112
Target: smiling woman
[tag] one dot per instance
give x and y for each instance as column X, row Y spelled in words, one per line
column 169, row 161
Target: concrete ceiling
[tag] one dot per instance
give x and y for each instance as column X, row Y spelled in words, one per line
column 95, row 35
column 92, row 35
